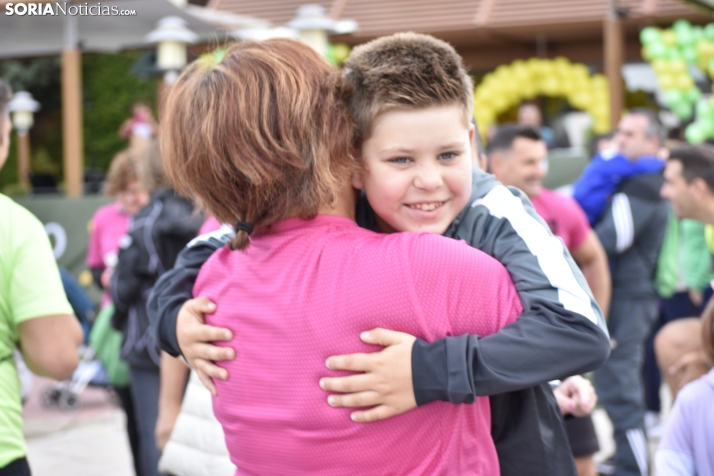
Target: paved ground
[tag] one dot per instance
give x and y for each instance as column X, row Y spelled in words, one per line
column 89, row 442
column 92, row 441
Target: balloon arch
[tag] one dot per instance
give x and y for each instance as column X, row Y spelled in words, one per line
column 520, row 81
column 673, row 52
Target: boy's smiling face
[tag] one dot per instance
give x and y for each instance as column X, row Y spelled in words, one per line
column 419, row 168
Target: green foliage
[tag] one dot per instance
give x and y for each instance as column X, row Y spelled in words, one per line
column 110, row 91
column 42, row 163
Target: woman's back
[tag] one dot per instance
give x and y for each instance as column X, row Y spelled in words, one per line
column 306, row 291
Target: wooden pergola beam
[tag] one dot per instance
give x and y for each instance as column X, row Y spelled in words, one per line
column 614, row 46
column 72, row 127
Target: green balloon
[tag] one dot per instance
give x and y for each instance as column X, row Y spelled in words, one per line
column 690, row 55
column 683, row 110
column 673, row 97
column 693, row 94
column 685, row 37
column 707, row 125
column 649, row 35
column 698, row 32
column 695, row 134
column 682, row 25
column 657, row 50
column 673, row 53
column 709, row 32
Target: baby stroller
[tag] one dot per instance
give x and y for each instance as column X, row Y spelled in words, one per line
column 90, row 372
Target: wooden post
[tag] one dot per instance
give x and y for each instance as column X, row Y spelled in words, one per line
column 614, row 46
column 72, row 111
column 23, row 158
column 72, row 122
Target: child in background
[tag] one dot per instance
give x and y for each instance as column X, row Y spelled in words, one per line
column 686, row 448
column 111, row 222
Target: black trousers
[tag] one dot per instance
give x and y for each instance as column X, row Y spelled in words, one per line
column 19, row 467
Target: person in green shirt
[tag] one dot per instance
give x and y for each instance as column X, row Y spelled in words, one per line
column 35, row 316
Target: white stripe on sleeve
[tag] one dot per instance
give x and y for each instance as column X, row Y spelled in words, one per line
column 638, row 444
column 624, row 224
column 548, row 250
column 225, row 229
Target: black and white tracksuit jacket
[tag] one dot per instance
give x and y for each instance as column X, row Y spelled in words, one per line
column 561, row 332
column 157, row 233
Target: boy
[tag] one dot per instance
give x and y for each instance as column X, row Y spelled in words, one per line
column 412, row 102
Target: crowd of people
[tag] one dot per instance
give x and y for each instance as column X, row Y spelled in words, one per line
column 329, row 342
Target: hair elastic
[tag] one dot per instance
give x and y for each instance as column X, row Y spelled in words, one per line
column 243, row 226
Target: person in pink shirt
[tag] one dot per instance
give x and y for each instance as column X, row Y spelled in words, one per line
column 111, row 222
column 301, row 279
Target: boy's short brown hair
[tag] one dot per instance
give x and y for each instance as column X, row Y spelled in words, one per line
column 404, row 71
column 259, row 135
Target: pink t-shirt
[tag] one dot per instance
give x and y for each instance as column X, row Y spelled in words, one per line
column 109, row 224
column 564, row 217
column 304, row 292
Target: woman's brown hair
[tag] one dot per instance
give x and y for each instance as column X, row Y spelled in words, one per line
column 259, row 135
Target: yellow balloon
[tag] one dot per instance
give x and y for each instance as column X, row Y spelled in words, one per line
column 660, row 66
column 669, row 38
column 684, row 82
column 666, row 81
column 678, row 66
column 341, row 51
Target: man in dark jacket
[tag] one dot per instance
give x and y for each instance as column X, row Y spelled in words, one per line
column 631, row 230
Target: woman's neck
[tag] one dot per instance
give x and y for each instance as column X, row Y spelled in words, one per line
column 345, row 204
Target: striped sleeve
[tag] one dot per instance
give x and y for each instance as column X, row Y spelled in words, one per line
column 561, row 331
column 549, row 259
column 624, row 224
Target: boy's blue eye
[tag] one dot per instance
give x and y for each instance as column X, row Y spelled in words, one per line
column 399, row 160
column 447, row 155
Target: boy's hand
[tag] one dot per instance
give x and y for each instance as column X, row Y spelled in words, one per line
column 386, row 384
column 576, row 396
column 195, row 341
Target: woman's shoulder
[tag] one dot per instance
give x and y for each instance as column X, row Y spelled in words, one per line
column 698, row 391
column 430, row 252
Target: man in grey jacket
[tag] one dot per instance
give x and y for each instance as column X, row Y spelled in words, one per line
column 631, row 230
